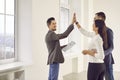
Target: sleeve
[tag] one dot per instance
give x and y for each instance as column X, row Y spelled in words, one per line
column 86, row 33
column 110, row 42
column 63, row 46
column 55, row 36
column 99, row 47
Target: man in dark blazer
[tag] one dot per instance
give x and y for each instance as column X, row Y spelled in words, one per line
column 55, row 56
column 109, row 61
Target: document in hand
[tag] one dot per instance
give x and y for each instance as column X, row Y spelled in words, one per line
column 69, row 45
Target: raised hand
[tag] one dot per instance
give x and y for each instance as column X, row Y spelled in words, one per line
column 75, row 21
column 74, row 18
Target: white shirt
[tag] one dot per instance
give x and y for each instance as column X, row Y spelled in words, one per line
column 96, row 43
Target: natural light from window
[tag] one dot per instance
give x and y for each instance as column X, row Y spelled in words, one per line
column 7, row 31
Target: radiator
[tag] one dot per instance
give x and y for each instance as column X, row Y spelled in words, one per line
column 14, row 75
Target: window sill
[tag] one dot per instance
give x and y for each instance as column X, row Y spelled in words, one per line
column 11, row 67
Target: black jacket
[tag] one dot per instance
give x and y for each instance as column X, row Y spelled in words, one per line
column 108, row 52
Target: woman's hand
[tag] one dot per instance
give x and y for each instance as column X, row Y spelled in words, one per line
column 75, row 21
column 89, row 52
column 85, row 52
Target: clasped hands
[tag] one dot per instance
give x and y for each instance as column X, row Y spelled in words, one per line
column 91, row 52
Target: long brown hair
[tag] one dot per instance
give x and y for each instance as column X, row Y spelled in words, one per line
column 102, row 31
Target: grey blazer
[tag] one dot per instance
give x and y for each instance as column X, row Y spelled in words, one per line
column 53, row 45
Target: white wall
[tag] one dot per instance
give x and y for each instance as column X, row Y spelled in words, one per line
column 82, row 8
column 24, row 31
column 112, row 11
column 77, row 63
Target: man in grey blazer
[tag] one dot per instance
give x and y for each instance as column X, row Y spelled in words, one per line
column 55, row 56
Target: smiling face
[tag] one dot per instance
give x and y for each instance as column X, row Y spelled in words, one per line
column 52, row 25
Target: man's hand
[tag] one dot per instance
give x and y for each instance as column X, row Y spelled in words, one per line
column 75, row 21
column 74, row 18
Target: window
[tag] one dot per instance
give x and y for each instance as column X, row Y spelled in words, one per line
column 7, row 29
column 64, row 18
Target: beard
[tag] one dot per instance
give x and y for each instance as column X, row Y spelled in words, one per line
column 54, row 29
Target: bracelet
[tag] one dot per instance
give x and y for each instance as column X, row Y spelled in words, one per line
column 76, row 23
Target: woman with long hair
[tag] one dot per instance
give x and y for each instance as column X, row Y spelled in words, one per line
column 96, row 67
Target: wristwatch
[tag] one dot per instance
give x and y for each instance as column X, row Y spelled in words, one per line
column 76, row 23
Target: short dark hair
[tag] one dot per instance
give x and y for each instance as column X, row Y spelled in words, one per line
column 49, row 20
column 102, row 14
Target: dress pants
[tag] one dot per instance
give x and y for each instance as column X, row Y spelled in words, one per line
column 96, row 71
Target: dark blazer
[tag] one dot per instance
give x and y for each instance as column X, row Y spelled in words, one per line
column 108, row 52
column 53, row 45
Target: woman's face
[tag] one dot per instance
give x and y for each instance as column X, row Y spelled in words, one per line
column 95, row 28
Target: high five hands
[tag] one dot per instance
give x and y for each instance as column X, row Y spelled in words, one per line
column 74, row 20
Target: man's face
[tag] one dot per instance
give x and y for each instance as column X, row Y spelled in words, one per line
column 98, row 18
column 52, row 26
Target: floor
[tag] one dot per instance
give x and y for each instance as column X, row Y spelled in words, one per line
column 82, row 76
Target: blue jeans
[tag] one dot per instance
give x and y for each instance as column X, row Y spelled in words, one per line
column 53, row 71
column 109, row 72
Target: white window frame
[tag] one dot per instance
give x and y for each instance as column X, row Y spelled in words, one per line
column 64, row 6
column 4, row 61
